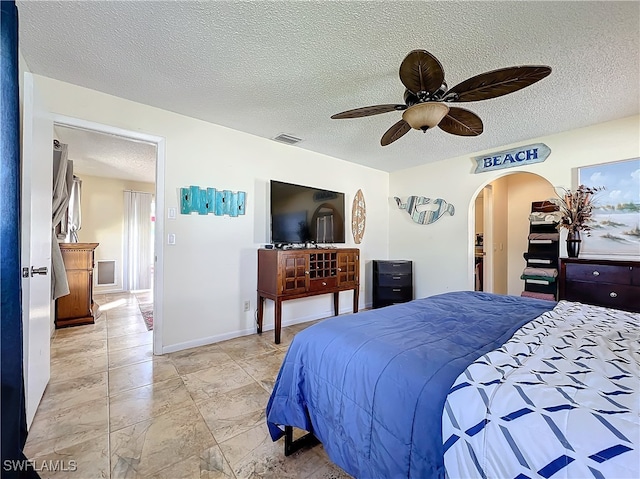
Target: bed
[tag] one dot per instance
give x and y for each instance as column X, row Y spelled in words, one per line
column 436, row 388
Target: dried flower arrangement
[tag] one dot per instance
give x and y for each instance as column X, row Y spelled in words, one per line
column 576, row 208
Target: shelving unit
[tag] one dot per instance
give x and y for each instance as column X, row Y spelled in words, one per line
column 541, row 272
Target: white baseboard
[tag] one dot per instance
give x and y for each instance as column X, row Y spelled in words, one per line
column 172, row 348
column 107, row 291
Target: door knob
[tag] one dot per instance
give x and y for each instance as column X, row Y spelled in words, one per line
column 35, row 271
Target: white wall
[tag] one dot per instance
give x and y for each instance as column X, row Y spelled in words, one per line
column 500, row 237
column 443, row 251
column 102, row 206
column 211, row 269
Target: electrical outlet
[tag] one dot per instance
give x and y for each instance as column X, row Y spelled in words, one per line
column 247, row 305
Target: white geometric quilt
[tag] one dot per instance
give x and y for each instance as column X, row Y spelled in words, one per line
column 561, row 399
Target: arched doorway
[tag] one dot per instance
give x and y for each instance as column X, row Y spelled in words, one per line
column 501, row 227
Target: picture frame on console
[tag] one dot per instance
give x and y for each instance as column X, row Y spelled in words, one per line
column 615, row 227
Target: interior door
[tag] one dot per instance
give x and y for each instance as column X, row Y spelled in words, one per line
column 489, row 247
column 36, row 223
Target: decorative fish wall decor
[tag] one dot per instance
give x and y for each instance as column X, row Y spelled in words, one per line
column 425, row 216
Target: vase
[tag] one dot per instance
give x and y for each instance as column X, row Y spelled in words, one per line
column 573, row 244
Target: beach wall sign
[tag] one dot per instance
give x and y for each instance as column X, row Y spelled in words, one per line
column 523, row 155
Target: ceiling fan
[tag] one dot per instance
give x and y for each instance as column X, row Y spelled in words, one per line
column 427, row 97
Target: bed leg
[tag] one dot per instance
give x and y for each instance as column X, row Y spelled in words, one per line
column 291, row 446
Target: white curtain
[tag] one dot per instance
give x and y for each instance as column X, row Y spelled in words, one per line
column 62, row 181
column 74, row 216
column 138, row 240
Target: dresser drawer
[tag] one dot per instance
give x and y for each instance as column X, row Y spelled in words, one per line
column 600, row 273
column 323, row 283
column 392, row 267
column 394, row 280
column 616, row 296
column 395, row 294
column 390, row 295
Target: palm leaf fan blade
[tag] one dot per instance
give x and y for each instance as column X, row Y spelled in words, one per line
column 368, row 111
column 396, row 131
column 461, row 122
column 498, row 83
column 420, row 71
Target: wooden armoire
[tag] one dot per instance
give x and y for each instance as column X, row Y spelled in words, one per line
column 77, row 307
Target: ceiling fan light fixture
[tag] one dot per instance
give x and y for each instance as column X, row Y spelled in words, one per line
column 425, row 115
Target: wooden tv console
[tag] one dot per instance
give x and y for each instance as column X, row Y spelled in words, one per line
column 299, row 273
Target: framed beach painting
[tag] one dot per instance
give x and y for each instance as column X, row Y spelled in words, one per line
column 615, row 226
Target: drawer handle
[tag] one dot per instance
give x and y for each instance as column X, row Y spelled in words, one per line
column 613, row 294
column 339, row 269
column 396, row 290
column 324, row 283
column 596, row 273
column 307, row 273
column 397, row 277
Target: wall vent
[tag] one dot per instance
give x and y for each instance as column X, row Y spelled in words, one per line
column 106, row 272
column 288, row 139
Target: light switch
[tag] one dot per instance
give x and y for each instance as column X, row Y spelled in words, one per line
column 171, row 239
column 171, row 213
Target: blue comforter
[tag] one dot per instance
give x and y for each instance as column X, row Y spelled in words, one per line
column 371, row 386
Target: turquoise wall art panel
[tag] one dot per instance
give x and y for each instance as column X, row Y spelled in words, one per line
column 233, row 204
column 241, row 196
column 195, row 198
column 204, row 205
column 185, row 201
column 220, row 203
column 212, row 201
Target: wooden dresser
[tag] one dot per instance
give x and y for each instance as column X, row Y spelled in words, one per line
column 299, row 273
column 77, row 307
column 610, row 283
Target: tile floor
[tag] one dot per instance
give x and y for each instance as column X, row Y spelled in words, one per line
column 120, row 412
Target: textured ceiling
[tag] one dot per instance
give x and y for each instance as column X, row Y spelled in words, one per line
column 99, row 154
column 268, row 67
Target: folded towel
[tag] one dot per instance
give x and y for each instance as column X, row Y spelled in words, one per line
column 546, row 272
column 540, row 217
column 546, row 206
column 544, row 236
column 537, row 279
column 533, row 294
column 541, row 255
column 540, row 261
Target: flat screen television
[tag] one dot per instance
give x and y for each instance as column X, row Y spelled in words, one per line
column 302, row 214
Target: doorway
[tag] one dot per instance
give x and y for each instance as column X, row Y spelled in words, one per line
column 479, row 246
column 75, row 130
column 502, row 209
